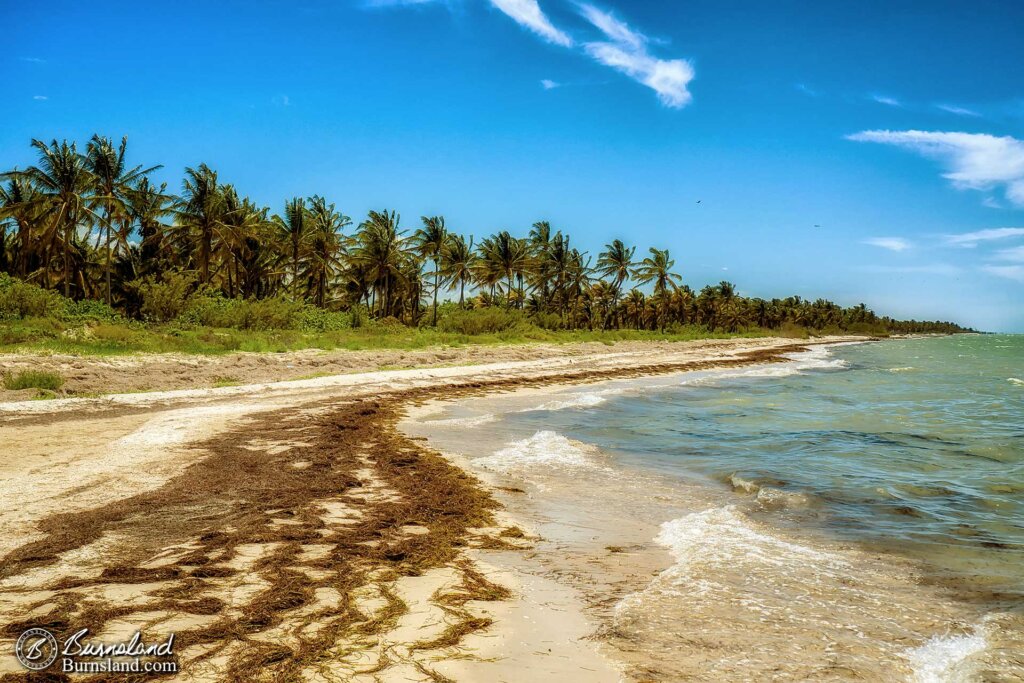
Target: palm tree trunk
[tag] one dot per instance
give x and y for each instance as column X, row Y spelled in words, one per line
column 107, row 221
column 25, row 240
column 436, row 268
column 67, row 261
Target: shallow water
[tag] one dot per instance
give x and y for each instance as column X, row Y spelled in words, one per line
column 779, row 485
column 913, row 443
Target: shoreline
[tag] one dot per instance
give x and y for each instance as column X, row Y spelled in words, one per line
column 626, row 556
column 196, row 573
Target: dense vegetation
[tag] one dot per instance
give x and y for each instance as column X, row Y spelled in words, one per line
column 86, row 236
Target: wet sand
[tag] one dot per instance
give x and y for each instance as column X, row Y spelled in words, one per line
column 291, row 530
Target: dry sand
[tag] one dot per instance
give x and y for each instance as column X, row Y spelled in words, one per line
column 288, row 530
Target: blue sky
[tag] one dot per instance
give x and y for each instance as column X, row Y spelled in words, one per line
column 862, row 151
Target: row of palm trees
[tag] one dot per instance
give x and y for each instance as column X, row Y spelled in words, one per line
column 89, row 224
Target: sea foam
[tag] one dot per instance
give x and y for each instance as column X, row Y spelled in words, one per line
column 941, row 659
column 543, row 449
column 819, row 358
column 718, row 533
column 582, row 400
column 474, row 421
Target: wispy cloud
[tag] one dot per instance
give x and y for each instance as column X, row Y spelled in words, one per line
column 281, row 100
column 548, row 84
column 1009, row 272
column 806, row 89
column 975, row 161
column 1012, row 254
column 971, row 239
column 527, row 13
column 890, row 243
column 40, row 97
column 626, row 51
column 887, row 101
column 33, row 60
column 959, row 111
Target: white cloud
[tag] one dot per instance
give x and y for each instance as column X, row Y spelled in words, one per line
column 549, row 84
column 971, row 239
column 528, row 13
column 959, row 111
column 1013, row 254
column 975, row 161
column 33, row 60
column 40, row 97
column 281, row 100
column 1008, row 272
column 890, row 243
column 888, row 101
column 626, row 51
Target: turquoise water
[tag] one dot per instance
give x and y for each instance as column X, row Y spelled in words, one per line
column 916, row 445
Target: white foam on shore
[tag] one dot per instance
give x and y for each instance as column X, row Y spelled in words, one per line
column 582, row 400
column 718, row 533
column 1014, row 380
column 543, row 449
column 941, row 659
column 909, row 368
column 474, row 421
column 818, row 358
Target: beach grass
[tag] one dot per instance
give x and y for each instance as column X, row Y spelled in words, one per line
column 46, row 335
column 32, row 379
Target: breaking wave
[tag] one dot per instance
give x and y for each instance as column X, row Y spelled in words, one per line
column 543, row 449
column 943, row 659
column 474, row 421
column 584, row 400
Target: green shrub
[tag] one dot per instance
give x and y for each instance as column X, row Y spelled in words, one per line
column 313, row 319
column 22, row 300
column 483, row 321
column 213, row 310
column 548, row 321
column 91, row 310
column 164, row 300
column 32, row 379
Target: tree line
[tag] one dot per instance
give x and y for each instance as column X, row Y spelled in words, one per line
column 92, row 226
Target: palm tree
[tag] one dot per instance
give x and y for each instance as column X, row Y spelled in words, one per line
column 200, row 214
column 64, row 184
column 429, row 243
column 113, row 183
column 326, row 246
column 19, row 204
column 291, row 228
column 242, row 225
column 149, row 207
column 657, row 268
column 509, row 257
column 616, row 262
column 380, row 250
column 457, row 263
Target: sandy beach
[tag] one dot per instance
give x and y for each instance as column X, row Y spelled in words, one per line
column 290, row 529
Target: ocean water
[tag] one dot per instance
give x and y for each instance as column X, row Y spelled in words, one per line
column 915, row 444
column 855, row 513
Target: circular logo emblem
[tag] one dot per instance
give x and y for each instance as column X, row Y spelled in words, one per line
column 36, row 649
